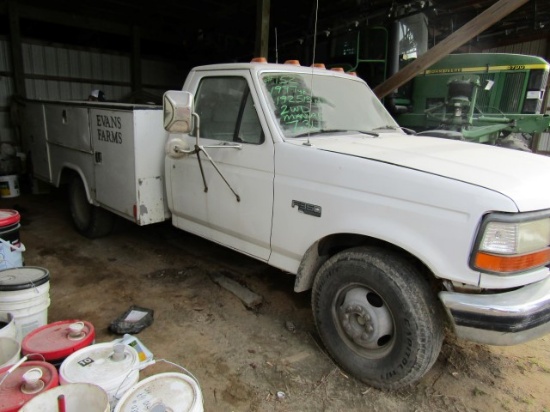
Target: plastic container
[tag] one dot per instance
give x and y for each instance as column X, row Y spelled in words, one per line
column 114, row 367
column 11, row 248
column 10, row 351
column 24, row 292
column 27, row 381
column 9, row 186
column 78, row 397
column 175, row 392
column 55, row 341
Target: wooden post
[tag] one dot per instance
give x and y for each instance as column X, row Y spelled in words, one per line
column 16, row 50
column 136, row 59
column 490, row 16
column 262, row 28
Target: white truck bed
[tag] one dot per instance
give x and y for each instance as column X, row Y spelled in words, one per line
column 117, row 148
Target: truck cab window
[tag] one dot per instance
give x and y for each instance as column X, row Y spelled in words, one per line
column 226, row 111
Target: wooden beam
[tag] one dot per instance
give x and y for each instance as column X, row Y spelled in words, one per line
column 262, row 27
column 16, row 49
column 490, row 16
column 136, row 60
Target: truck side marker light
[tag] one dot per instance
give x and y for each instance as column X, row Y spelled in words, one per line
column 510, row 264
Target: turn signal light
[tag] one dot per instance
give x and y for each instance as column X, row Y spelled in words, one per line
column 509, row 264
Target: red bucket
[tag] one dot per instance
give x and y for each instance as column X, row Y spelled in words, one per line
column 24, row 383
column 56, row 341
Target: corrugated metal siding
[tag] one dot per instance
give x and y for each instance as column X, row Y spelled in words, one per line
column 59, row 72
column 6, row 91
column 63, row 73
column 534, row 48
column 161, row 75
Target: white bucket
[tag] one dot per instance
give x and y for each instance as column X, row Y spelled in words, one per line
column 10, row 351
column 113, row 367
column 175, row 392
column 81, row 397
column 7, row 327
column 9, row 186
column 24, row 292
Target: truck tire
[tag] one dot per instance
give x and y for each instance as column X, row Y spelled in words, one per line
column 377, row 317
column 89, row 220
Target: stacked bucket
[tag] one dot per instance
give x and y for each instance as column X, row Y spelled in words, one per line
column 58, row 367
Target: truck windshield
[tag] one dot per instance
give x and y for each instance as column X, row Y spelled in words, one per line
column 306, row 105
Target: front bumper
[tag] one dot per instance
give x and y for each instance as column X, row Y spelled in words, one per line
column 507, row 318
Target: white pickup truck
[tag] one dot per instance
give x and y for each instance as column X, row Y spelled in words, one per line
column 398, row 236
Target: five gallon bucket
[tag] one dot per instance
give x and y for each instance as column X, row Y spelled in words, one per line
column 24, row 292
column 10, row 351
column 11, row 248
column 114, row 367
column 9, row 186
column 81, row 397
column 55, row 341
column 163, row 392
column 27, row 381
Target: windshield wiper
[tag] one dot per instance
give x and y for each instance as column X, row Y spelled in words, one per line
column 390, row 127
column 328, row 131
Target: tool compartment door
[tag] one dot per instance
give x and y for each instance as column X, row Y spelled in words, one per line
column 114, row 157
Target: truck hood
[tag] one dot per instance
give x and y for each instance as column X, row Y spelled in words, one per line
column 521, row 176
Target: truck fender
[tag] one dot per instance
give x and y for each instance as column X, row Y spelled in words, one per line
column 70, row 171
column 310, row 264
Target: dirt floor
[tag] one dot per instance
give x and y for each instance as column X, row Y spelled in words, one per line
column 267, row 359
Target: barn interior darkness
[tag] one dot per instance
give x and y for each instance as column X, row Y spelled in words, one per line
column 214, row 31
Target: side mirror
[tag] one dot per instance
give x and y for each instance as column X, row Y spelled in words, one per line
column 178, row 111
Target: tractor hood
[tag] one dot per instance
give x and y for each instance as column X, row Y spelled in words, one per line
column 523, row 177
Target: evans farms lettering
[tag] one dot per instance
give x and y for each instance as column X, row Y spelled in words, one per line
column 109, row 128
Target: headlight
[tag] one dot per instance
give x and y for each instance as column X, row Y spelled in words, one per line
column 509, row 244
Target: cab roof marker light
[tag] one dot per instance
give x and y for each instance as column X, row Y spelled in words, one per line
column 293, row 62
column 319, row 65
column 337, row 69
column 258, row 60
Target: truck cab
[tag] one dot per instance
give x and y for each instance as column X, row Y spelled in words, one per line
column 304, row 169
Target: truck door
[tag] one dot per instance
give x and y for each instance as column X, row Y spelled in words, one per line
column 231, row 200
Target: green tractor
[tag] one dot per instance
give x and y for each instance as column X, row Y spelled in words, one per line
column 486, row 98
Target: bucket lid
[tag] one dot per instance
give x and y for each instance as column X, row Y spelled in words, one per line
column 22, row 384
column 23, row 278
column 105, row 364
column 174, row 391
column 9, row 217
column 58, row 340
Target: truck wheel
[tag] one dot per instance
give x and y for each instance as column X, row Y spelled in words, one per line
column 377, row 317
column 89, row 220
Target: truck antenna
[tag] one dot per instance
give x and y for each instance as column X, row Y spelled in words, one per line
column 276, row 47
column 312, row 67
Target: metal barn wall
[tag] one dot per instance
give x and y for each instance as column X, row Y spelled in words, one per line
column 537, row 47
column 6, row 90
column 59, row 72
